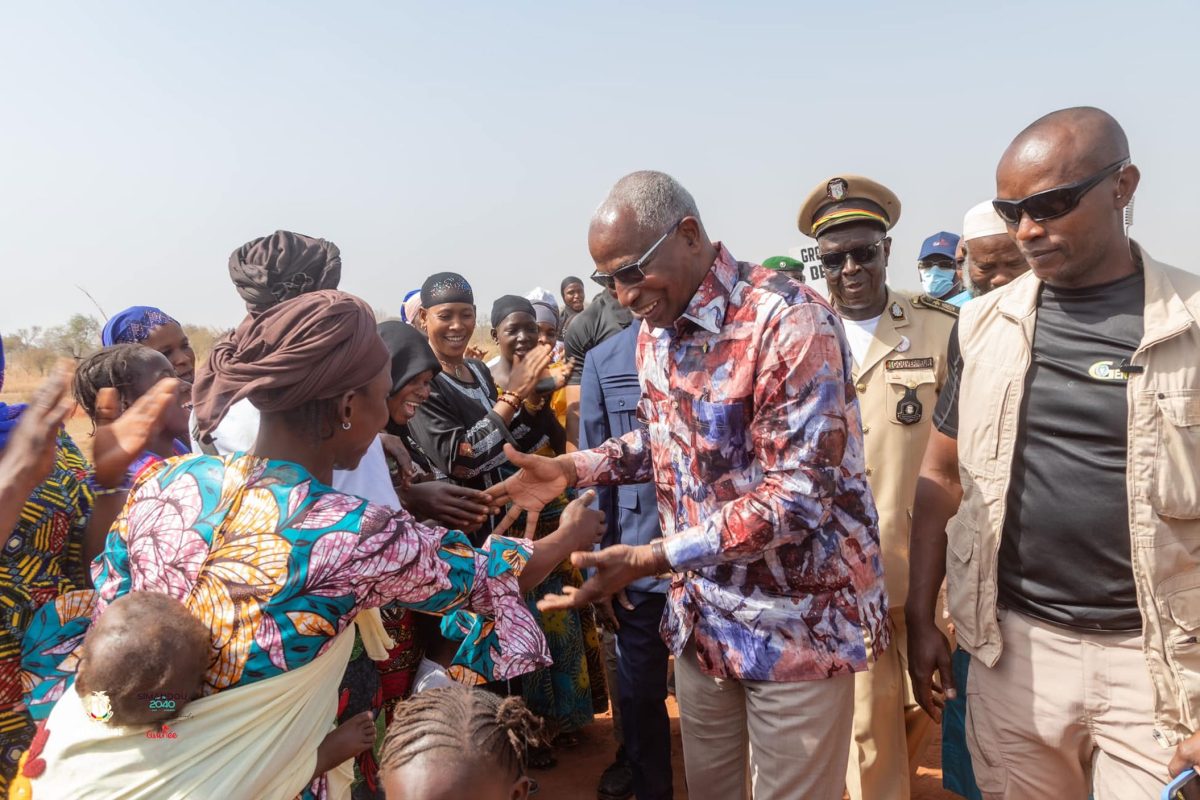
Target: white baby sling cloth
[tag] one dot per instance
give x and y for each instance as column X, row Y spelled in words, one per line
column 254, row 742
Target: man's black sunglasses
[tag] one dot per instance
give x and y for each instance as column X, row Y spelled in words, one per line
column 836, row 262
column 1053, row 202
column 633, row 273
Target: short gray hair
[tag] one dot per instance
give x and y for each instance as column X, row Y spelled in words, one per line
column 657, row 200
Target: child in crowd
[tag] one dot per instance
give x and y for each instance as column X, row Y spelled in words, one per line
column 131, row 370
column 145, row 659
column 453, row 742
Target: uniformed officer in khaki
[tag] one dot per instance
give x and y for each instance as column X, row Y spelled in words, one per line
column 899, row 344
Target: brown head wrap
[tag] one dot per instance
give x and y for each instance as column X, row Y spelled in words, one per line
column 316, row 346
column 281, row 266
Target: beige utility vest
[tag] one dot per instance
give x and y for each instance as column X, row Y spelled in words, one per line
column 1162, row 477
column 898, row 384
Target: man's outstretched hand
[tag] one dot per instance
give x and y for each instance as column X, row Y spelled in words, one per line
column 615, row 568
column 539, row 481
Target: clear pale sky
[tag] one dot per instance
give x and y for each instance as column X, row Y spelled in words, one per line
column 142, row 142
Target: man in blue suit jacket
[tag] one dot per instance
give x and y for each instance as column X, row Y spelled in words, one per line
column 609, row 393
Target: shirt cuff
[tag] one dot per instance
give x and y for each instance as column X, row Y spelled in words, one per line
column 587, row 464
column 690, row 549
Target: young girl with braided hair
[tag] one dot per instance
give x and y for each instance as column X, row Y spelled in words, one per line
column 453, row 742
column 130, row 371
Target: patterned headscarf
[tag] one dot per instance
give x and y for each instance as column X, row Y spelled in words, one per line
column 312, row 347
column 281, row 266
column 410, row 306
column 446, row 287
column 134, row 325
column 9, row 414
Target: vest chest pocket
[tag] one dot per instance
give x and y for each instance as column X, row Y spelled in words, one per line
column 912, row 395
column 1175, row 491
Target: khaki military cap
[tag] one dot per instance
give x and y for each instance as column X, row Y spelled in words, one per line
column 848, row 198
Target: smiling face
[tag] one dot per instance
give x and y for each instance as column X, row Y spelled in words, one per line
column 171, row 341
column 573, row 296
column 403, row 405
column 858, row 291
column 673, row 272
column 516, row 335
column 449, row 327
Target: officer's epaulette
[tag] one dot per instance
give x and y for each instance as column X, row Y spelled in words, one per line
column 925, row 301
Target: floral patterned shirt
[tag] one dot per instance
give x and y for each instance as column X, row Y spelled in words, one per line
column 275, row 564
column 754, row 442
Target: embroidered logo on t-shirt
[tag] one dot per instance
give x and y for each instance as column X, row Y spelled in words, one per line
column 1106, row 371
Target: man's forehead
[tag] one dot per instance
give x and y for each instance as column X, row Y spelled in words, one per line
column 614, row 223
column 1041, row 160
column 618, row 237
column 853, row 233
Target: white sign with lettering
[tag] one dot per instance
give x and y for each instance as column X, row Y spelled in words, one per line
column 814, row 273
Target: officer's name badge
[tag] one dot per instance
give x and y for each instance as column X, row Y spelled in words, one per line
column 909, row 363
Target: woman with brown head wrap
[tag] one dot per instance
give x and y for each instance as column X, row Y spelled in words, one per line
column 267, row 271
column 277, row 564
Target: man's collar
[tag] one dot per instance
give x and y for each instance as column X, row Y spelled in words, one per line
column 707, row 307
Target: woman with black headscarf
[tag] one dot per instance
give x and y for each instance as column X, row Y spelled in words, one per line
column 460, row 431
column 572, row 689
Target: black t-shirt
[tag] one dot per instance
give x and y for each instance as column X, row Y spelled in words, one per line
column 603, row 317
column 1065, row 550
column 945, row 413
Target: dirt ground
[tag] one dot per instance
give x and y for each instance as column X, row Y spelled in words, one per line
column 579, row 768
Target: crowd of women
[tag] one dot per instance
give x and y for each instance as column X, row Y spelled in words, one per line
column 276, row 577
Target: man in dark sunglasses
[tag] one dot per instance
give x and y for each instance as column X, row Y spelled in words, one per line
column 899, row 345
column 1067, row 531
